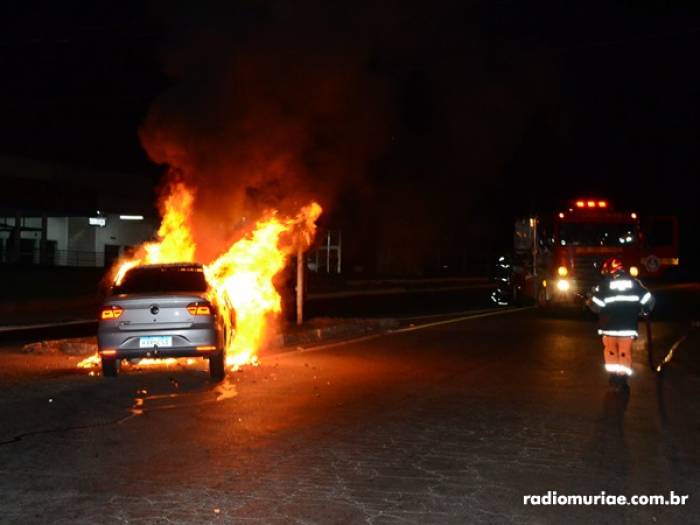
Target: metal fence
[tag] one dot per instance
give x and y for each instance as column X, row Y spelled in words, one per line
column 325, row 255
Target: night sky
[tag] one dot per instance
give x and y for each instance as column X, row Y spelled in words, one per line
column 450, row 112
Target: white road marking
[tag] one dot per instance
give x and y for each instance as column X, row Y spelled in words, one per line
column 464, row 318
column 669, row 355
column 451, row 314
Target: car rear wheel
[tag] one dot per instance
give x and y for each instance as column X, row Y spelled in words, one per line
column 110, row 367
column 217, row 366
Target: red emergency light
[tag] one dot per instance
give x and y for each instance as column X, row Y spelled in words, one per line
column 591, row 204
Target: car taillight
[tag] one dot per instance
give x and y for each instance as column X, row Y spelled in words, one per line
column 111, row 312
column 198, row 309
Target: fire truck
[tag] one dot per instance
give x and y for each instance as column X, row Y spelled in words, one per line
column 558, row 256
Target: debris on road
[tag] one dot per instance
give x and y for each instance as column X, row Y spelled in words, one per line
column 73, row 347
column 40, row 347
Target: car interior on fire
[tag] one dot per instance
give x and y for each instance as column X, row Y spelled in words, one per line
column 155, row 279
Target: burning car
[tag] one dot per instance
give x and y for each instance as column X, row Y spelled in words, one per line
column 164, row 311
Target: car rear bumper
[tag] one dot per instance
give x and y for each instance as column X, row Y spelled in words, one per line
column 200, row 342
column 158, row 352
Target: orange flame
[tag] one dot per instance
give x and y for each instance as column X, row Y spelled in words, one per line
column 175, row 243
column 242, row 276
column 124, row 267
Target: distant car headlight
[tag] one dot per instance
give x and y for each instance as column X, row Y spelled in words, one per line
column 563, row 285
column 634, row 271
column 563, row 271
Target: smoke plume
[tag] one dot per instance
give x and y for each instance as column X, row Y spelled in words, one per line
column 264, row 120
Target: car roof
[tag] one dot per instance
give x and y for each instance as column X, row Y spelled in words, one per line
column 181, row 266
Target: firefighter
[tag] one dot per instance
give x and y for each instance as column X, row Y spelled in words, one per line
column 618, row 300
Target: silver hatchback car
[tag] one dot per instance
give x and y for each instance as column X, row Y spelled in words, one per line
column 163, row 310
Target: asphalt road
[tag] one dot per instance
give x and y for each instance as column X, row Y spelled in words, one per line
column 449, row 423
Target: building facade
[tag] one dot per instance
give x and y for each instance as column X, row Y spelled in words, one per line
column 54, row 215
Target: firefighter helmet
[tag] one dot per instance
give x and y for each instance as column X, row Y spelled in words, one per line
column 612, row 266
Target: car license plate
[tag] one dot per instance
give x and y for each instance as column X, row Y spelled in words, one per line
column 155, row 340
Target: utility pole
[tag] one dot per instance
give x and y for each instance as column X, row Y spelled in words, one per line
column 533, row 225
column 340, row 253
column 300, row 285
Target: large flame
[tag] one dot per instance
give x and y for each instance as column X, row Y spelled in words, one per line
column 242, row 276
column 175, row 243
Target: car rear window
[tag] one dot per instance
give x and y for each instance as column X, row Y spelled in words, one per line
column 150, row 280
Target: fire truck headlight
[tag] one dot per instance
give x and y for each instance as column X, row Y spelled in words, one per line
column 634, row 271
column 563, row 285
column 563, row 271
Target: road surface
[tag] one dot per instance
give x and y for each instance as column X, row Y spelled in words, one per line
column 453, row 422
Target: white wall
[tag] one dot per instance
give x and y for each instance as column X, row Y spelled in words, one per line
column 57, row 230
column 81, row 236
column 75, row 234
column 123, row 233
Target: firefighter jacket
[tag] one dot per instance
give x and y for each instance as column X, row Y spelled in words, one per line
column 618, row 300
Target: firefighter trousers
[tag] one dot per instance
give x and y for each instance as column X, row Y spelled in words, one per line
column 618, row 354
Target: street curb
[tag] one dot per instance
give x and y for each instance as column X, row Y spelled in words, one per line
column 396, row 331
column 24, row 327
column 351, row 329
column 393, row 291
column 289, row 342
column 399, row 288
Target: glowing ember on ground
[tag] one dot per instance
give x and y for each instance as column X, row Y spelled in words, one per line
column 168, row 361
column 243, row 274
column 90, row 362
